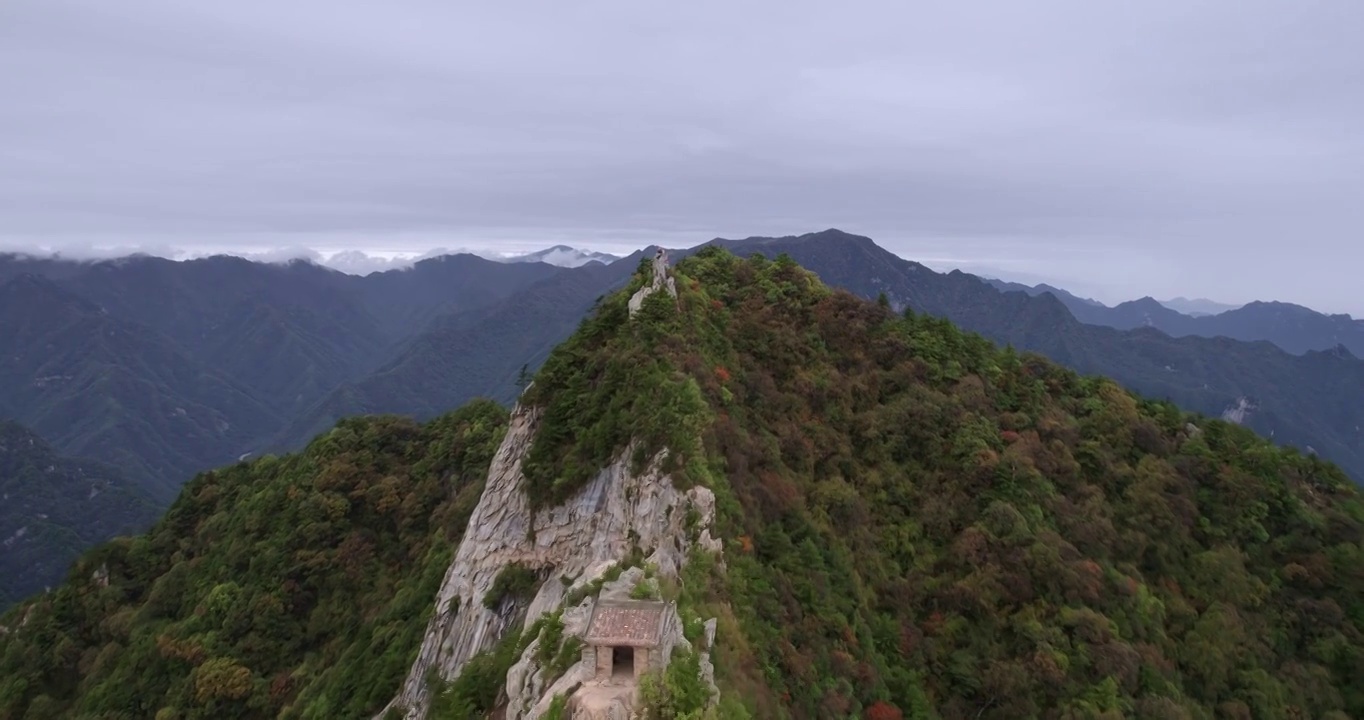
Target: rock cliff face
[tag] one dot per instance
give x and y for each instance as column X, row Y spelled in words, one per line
column 661, row 281
column 578, row 540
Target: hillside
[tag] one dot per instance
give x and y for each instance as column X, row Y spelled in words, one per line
column 99, row 386
column 234, row 349
column 914, row 524
column 163, row 369
column 310, row 345
column 1306, row 401
column 1297, row 400
column 296, row 582
column 52, row 508
column 288, row 332
column 460, row 356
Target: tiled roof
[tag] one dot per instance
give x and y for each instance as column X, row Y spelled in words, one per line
column 636, row 623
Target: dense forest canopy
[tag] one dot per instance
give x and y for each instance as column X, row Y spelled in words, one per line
column 916, row 524
column 285, row 587
column 919, row 523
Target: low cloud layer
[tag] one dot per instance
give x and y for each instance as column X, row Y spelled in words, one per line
column 1164, row 147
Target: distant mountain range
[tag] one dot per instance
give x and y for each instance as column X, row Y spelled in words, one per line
column 1294, row 328
column 165, row 368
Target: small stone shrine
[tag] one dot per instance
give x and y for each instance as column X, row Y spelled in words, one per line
column 625, row 639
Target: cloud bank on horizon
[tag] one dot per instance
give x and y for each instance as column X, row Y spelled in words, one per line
column 1165, row 147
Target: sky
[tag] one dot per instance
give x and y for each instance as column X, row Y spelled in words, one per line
column 1117, row 149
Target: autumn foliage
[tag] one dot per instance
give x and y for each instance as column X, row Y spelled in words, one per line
column 916, row 524
column 929, row 526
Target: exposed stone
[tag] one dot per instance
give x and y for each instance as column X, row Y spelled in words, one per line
column 1240, row 412
column 101, row 576
column 602, row 703
column 526, row 692
column 579, row 539
column 710, row 633
column 660, row 281
column 708, row 677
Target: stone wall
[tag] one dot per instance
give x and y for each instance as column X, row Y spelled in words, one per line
column 644, row 659
column 590, row 657
column 605, row 658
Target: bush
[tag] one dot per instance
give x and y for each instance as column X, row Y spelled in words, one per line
column 514, row 581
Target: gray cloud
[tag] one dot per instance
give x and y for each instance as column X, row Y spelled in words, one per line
column 1163, row 147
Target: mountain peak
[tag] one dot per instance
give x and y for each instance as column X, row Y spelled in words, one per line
column 837, row 235
column 1197, row 306
column 563, row 256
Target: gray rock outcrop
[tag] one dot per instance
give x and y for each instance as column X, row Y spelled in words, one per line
column 660, row 281
column 580, row 539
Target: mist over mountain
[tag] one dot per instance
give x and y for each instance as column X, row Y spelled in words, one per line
column 563, row 256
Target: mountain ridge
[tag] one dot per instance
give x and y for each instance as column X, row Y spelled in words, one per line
column 468, row 326
column 912, row 522
column 1295, row 328
column 1207, row 375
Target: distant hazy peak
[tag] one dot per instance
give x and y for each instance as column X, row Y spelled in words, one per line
column 562, row 256
column 1039, row 290
column 1146, row 303
column 831, row 235
column 1197, row 306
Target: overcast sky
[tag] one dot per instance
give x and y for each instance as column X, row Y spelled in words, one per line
column 1118, row 148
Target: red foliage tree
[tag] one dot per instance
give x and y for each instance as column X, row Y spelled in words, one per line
column 882, row 710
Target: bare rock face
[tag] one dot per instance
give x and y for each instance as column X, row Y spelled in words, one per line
column 578, row 541
column 1241, row 411
column 660, row 281
column 527, row 693
column 602, row 705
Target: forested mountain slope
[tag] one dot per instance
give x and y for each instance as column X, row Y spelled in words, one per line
column 216, row 354
column 915, row 524
column 291, row 587
column 922, row 520
column 163, row 369
column 1309, row 401
column 479, row 352
column 311, row 345
column 289, row 332
column 52, row 508
column 102, row 387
